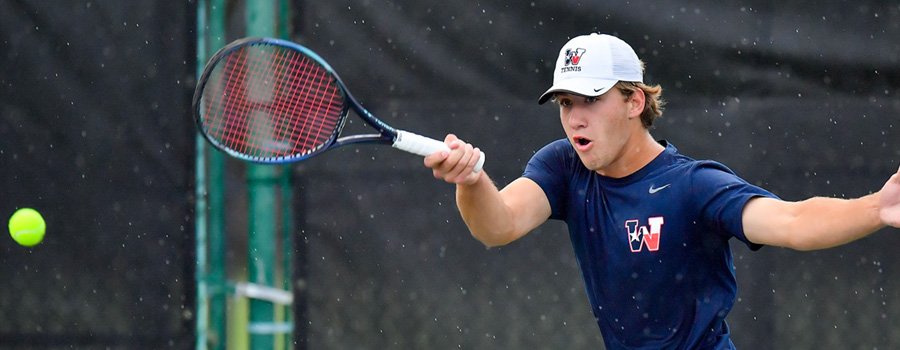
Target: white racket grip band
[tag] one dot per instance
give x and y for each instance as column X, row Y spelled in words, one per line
column 425, row 146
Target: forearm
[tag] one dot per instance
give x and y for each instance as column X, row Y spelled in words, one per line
column 820, row 223
column 484, row 212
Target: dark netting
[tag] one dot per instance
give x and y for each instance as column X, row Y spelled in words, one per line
column 94, row 134
column 801, row 98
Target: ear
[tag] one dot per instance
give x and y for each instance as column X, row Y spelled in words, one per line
column 636, row 103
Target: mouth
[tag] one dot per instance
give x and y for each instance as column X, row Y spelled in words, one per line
column 582, row 143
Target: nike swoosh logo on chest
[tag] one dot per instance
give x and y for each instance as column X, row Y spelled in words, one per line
column 657, row 189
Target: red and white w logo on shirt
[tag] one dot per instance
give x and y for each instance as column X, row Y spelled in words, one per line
column 639, row 236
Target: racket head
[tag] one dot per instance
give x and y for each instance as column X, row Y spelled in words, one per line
column 272, row 101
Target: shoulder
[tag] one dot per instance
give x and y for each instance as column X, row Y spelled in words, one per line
column 556, row 148
column 690, row 168
column 554, row 156
column 707, row 173
column 709, row 180
column 552, row 168
column 672, row 163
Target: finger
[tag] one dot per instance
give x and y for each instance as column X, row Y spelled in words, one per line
column 450, row 138
column 456, row 144
column 437, row 174
column 472, row 175
column 474, row 154
column 454, row 156
column 448, row 166
column 476, row 157
column 435, row 159
column 468, row 174
column 456, row 166
column 464, row 165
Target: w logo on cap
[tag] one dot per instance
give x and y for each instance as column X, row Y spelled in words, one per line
column 573, row 56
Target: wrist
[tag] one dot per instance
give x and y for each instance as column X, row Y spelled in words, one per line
column 472, row 180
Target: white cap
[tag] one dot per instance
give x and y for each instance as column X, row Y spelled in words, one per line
column 589, row 65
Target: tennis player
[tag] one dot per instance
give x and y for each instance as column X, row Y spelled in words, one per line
column 650, row 226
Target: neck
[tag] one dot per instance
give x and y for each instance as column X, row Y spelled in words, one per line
column 636, row 154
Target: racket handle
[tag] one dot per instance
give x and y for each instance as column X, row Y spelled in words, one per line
column 425, row 146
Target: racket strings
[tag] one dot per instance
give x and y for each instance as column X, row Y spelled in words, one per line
column 320, row 99
column 232, row 126
column 269, row 102
column 227, row 110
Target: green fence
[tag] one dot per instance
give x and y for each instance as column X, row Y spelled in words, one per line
column 248, row 306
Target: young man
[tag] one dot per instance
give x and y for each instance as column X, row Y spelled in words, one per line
column 650, row 227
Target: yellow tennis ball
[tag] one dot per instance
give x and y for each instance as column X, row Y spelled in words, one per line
column 27, row 227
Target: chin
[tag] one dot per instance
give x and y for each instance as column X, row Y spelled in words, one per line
column 591, row 163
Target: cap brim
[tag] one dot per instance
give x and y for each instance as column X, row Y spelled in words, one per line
column 582, row 87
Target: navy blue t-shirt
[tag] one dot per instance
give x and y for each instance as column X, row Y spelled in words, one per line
column 652, row 246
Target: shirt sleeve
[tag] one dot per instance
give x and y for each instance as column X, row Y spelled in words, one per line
column 548, row 169
column 721, row 196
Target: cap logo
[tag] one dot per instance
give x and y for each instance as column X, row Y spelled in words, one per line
column 573, row 57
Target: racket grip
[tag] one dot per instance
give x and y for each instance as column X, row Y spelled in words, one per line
column 425, row 146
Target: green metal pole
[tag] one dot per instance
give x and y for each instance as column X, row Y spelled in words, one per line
column 210, row 246
column 217, row 237
column 262, row 249
column 284, row 30
column 284, row 19
column 261, row 181
column 261, row 18
column 203, row 302
column 201, row 275
column 286, row 261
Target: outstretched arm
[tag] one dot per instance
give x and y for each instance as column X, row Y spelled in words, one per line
column 494, row 217
column 819, row 223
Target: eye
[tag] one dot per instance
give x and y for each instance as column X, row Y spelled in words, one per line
column 590, row 99
column 565, row 102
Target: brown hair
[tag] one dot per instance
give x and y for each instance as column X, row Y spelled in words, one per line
column 653, row 106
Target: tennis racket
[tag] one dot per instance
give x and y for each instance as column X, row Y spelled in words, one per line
column 273, row 101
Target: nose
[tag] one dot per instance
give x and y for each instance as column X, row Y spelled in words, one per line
column 574, row 117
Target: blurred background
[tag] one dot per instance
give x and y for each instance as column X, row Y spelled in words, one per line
column 151, row 235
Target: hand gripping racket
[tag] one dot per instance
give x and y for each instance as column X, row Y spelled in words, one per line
column 274, row 101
